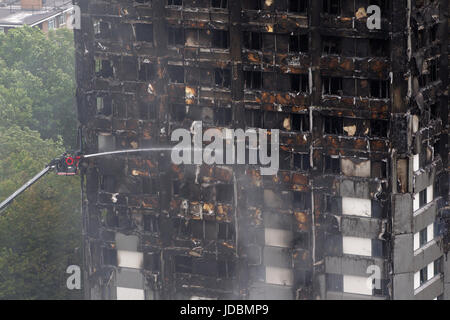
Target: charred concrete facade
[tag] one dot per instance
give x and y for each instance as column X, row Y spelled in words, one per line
column 363, row 179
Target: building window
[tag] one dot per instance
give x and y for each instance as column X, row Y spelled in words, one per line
column 332, row 165
column 220, row 39
column 51, row 24
column 331, row 45
column 298, row 43
column 301, row 162
column 379, row 89
column 298, row 6
column 253, row 40
column 333, row 125
column 223, row 4
column 175, row 2
column 423, row 198
column 61, row 20
column 379, row 128
column 379, row 47
column 222, row 77
column 299, row 83
column 176, row 74
column 335, row 282
column 332, row 86
column 176, row 37
column 144, row 32
column 300, row 122
column 253, row 79
column 103, row 68
column 252, row 4
column 332, row 6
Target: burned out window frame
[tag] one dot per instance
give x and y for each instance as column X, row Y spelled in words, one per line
column 333, row 125
column 331, row 45
column 332, row 164
column 220, row 39
column 251, row 81
column 219, row 4
column 297, row 6
column 379, row 89
column 299, row 82
column 332, row 86
column 332, row 7
column 252, row 40
column 222, row 77
column 174, row 39
column 298, row 43
column 174, row 71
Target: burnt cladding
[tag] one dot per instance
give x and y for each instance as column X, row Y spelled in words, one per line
column 362, row 115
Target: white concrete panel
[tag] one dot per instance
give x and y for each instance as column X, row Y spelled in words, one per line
column 130, row 294
column 130, row 259
column 357, row 246
column 416, row 162
column 416, row 241
column 280, row 276
column 278, row 238
column 357, row 285
column 430, row 271
column 416, row 202
column 416, row 280
column 430, row 232
column 430, row 194
column 356, row 207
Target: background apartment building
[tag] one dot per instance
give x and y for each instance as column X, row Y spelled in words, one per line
column 44, row 14
column 363, row 177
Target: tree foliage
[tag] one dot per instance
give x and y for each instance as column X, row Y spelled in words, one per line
column 40, row 232
column 37, row 82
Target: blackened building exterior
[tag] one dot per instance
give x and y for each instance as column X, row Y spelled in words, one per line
column 363, row 120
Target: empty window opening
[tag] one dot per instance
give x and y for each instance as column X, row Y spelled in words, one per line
column 144, row 32
column 383, row 4
column 253, row 118
column 176, row 74
column 183, row 264
column 178, row 112
column 379, row 89
column 146, row 71
column 176, row 37
column 109, row 256
column 226, row 231
column 224, row 193
column 300, row 122
column 332, row 7
column 148, row 186
column 102, row 28
column 301, row 162
column 253, row 40
column 298, row 43
column 299, row 83
column 302, row 200
column 222, row 77
column 253, row 4
column 332, row 165
column 104, row 106
column 222, row 116
column 151, row 223
column 298, row 6
column 333, row 125
column 147, row 111
column 253, row 79
column 332, row 86
column 220, row 39
column 174, row 2
column 379, row 128
column 103, row 68
column 379, row 47
column 223, row 4
column 108, row 183
column 332, row 45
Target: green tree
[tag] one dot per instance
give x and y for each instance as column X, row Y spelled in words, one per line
column 40, row 232
column 37, row 82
